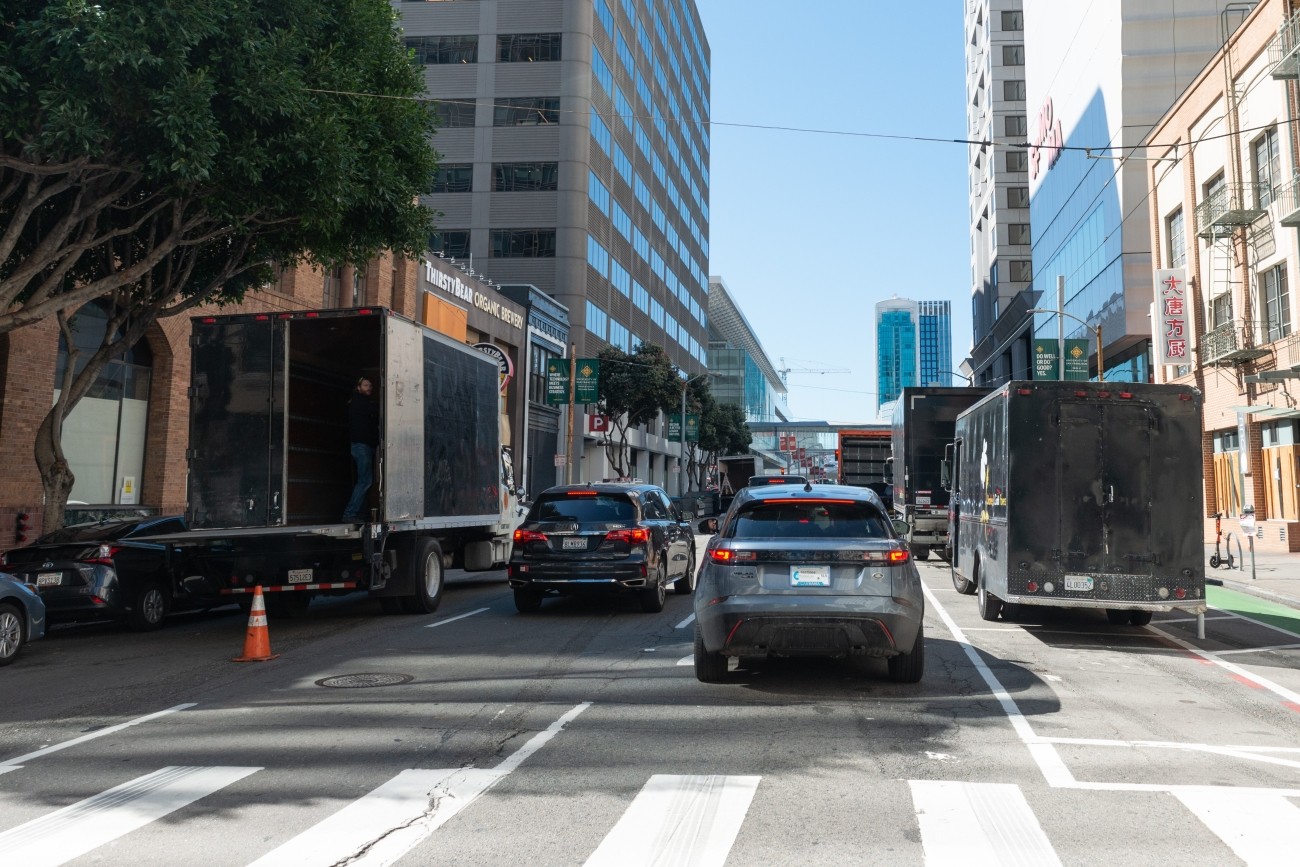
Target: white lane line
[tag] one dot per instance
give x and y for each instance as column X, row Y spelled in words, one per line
column 457, row 617
column 1236, row 616
column 1261, row 829
column 679, row 820
column 687, row 660
column 685, row 623
column 77, row 829
column 11, row 764
column 1256, row 649
column 382, row 826
column 976, row 824
column 1259, row 680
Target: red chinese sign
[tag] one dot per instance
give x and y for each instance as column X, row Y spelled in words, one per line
column 1172, row 327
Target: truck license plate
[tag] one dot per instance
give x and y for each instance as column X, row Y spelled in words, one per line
column 810, row 576
column 49, row 579
column 922, row 501
column 571, row 544
column 299, row 576
column 1081, row 583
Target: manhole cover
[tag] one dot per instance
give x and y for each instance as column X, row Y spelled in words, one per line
column 361, row 681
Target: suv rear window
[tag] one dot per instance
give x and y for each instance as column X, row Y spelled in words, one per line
column 809, row 519
column 602, row 508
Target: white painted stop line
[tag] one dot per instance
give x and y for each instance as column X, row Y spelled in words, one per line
column 76, row 829
column 1261, row 828
column 679, row 820
column 978, row 824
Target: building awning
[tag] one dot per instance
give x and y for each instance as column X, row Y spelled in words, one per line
column 1256, row 408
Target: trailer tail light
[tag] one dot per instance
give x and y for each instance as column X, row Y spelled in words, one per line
column 1081, row 394
column 312, row 314
column 1184, row 397
column 1103, row 394
column 1180, row 593
column 1126, row 395
column 1032, row 586
column 523, row 537
column 366, row 311
column 286, row 315
column 630, row 535
column 1024, row 391
column 261, row 317
column 209, row 320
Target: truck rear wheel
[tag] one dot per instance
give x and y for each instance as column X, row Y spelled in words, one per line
column 961, row 583
column 424, row 571
column 990, row 606
column 921, row 552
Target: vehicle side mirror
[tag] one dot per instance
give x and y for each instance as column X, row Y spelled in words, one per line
column 708, row 527
column 901, row 527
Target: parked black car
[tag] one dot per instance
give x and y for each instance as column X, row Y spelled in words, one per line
column 602, row 538
column 104, row 571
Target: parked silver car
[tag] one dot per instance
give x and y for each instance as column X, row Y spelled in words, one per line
column 808, row 571
column 22, row 617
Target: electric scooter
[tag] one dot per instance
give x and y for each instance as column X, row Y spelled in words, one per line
column 1215, row 560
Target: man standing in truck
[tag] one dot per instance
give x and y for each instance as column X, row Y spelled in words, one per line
column 363, row 431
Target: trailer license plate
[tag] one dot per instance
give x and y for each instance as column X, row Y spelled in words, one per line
column 49, row 579
column 578, row 543
column 1078, row 582
column 810, row 576
column 299, row 576
column 922, row 501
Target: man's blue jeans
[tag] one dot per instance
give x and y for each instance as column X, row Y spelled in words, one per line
column 364, row 457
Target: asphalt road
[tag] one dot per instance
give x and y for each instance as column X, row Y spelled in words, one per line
column 580, row 735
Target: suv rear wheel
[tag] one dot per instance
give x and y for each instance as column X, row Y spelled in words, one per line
column 709, row 667
column 909, row 667
column 654, row 595
column 527, row 601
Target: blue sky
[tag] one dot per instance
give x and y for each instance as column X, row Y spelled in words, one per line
column 809, row 231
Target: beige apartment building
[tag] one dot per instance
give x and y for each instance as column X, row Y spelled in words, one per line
column 1224, row 173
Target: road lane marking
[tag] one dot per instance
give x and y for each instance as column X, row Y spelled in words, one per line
column 457, row 617
column 685, row 623
column 1258, row 680
column 12, row 764
column 1260, row 828
column 679, row 820
column 77, row 829
column 976, row 824
column 382, row 826
column 1255, row 649
column 687, row 660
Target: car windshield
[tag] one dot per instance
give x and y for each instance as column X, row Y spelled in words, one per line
column 104, row 531
column 809, row 519
column 583, row 509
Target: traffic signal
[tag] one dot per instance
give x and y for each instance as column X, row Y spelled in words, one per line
column 21, row 523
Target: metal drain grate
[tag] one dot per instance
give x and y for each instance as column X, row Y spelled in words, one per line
column 364, row 681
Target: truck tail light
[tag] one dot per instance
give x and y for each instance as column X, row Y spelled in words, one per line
column 524, row 536
column 630, row 535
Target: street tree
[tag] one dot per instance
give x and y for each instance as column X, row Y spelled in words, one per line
column 159, row 156
column 634, row 388
column 723, row 431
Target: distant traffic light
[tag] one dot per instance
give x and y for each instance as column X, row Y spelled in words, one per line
column 21, row 523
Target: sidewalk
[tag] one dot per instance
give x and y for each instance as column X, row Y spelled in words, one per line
column 1276, row 576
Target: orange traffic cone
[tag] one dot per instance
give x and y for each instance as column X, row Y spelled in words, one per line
column 257, row 643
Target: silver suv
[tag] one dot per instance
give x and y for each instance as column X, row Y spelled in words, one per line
column 808, row 571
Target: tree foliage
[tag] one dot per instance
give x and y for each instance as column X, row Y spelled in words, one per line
column 634, row 389
column 723, row 430
column 160, row 155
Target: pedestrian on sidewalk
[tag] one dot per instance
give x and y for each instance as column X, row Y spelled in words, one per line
column 363, row 432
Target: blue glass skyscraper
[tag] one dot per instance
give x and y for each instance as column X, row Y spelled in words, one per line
column 935, row 320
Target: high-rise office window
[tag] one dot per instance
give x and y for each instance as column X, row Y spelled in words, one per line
column 523, row 243
column 1017, row 197
column 1014, row 89
column 526, row 111
column 454, row 178
column 1020, row 271
column 525, row 177
column 1013, row 21
column 453, row 243
column 1016, row 125
column 1017, row 233
column 454, row 113
column 444, row 49
column 528, row 47
column 1013, row 55
column 1017, row 161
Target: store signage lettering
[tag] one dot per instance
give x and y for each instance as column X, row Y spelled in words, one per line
column 1050, row 138
column 1172, row 328
column 459, row 289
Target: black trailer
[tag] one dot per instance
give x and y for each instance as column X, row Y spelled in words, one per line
column 923, row 426
column 1082, row 495
column 270, row 468
column 864, row 460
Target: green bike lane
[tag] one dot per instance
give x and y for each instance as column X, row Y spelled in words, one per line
column 1274, row 614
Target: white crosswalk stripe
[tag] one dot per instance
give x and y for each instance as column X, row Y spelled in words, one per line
column 974, row 824
column 687, row 820
column 77, row 829
column 1262, row 829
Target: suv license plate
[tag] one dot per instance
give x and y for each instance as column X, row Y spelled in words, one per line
column 49, row 579
column 810, row 576
column 299, row 576
column 578, row 543
column 1078, row 582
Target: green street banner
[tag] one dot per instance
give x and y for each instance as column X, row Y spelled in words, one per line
column 674, row 427
column 557, row 381
column 692, row 428
column 587, row 382
column 1076, row 360
column 1047, row 364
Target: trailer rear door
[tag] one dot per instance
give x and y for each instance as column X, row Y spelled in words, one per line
column 236, row 423
column 1103, row 467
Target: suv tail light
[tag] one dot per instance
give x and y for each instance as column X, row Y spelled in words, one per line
column 630, row 535
column 725, row 556
column 891, row 556
column 104, row 556
column 525, row 536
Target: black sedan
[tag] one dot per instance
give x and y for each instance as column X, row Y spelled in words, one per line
column 604, row 538
column 108, row 570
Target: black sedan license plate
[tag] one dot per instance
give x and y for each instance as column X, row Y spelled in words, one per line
column 49, row 579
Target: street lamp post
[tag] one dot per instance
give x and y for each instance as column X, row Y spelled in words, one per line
column 1096, row 330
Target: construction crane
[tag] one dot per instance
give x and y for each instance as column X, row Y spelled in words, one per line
column 785, row 370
